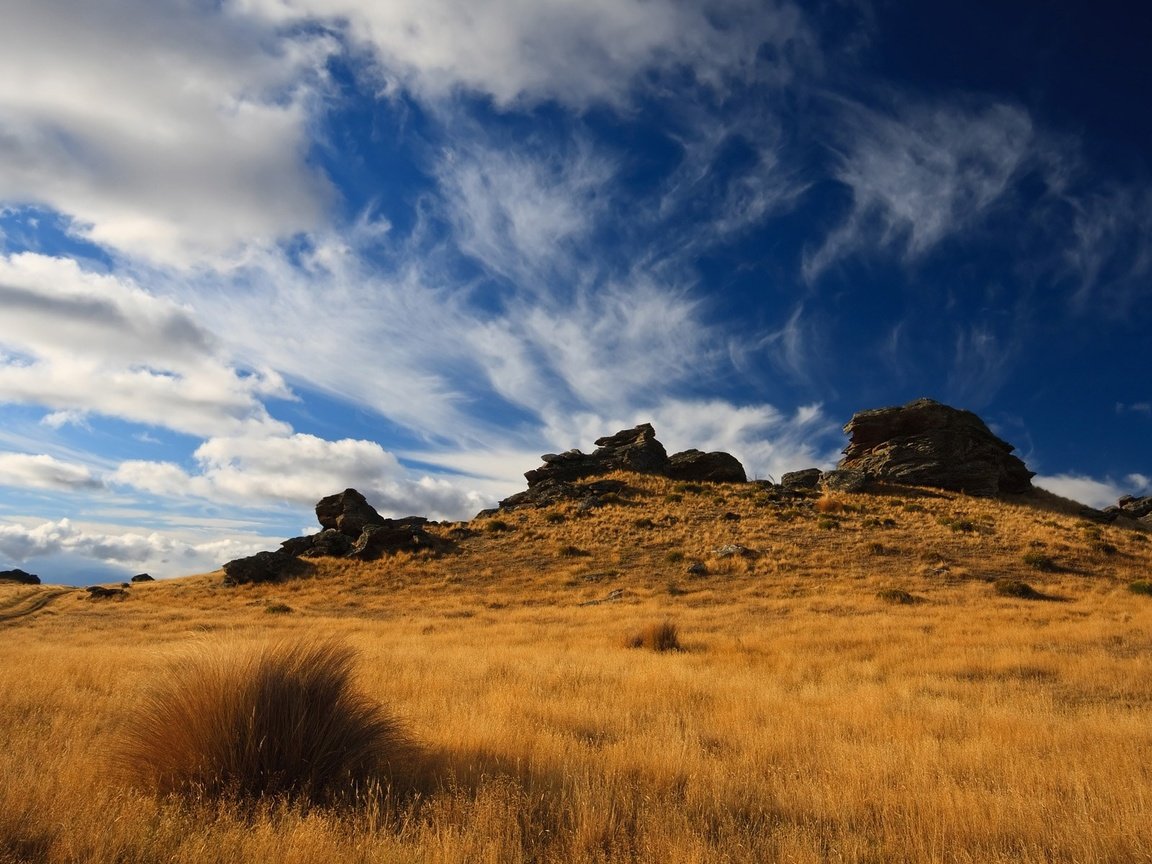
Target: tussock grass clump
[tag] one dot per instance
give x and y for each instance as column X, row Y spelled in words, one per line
column 656, row 637
column 284, row 720
column 897, row 596
column 1016, row 588
column 1141, row 586
column 1040, row 561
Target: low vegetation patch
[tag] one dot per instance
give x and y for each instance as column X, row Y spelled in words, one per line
column 284, row 721
column 1141, row 586
column 897, row 596
column 1040, row 561
column 1016, row 588
column 278, row 609
column 657, row 637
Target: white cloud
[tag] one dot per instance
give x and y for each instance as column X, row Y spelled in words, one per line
column 301, row 469
column 170, row 130
column 577, row 53
column 88, row 343
column 922, row 173
column 1078, row 487
column 160, row 553
column 40, row 471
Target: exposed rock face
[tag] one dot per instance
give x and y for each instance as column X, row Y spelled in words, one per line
column 925, row 443
column 628, row 450
column 549, row 492
column 695, row 466
column 844, row 480
column 99, row 592
column 347, row 512
column 18, row 575
column 143, row 577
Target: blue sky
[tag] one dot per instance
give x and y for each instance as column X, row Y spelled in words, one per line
column 255, row 251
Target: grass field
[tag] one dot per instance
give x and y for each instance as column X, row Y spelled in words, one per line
column 853, row 687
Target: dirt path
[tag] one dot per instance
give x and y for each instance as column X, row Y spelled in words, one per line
column 21, row 607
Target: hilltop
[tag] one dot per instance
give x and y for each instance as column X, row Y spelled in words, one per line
column 904, row 673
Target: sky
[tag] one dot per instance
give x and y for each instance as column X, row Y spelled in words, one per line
column 253, row 252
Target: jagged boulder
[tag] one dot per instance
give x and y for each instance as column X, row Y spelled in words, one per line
column 18, row 575
column 844, row 480
column 347, row 512
column 695, row 466
column 628, row 450
column 263, row 567
column 548, row 493
column 804, row 479
column 143, row 577
column 926, row 443
column 1132, row 507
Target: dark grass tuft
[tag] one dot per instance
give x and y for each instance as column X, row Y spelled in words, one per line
column 281, row 721
column 1141, row 586
column 657, row 637
column 1016, row 588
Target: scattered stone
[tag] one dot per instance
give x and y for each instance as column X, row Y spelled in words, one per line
column 143, row 577
column 695, row 466
column 263, row 567
column 347, row 512
column 925, row 443
column 844, row 480
column 697, row 568
column 99, row 592
column 807, row 478
column 733, row 550
column 18, row 575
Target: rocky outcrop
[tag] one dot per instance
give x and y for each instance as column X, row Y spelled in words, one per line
column 351, row 529
column 550, row 492
column 925, row 443
column 1132, row 507
column 844, row 480
column 697, row 467
column 18, row 575
column 143, row 577
column 634, row 450
column 805, row 478
column 100, row 592
column 347, row 512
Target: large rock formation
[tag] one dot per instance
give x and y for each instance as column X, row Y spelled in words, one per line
column 18, row 575
column 351, row 529
column 925, row 443
column 1132, row 507
column 628, row 450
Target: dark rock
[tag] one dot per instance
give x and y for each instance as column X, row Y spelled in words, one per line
column 695, row 467
column 329, row 543
column 99, row 592
column 347, row 512
column 925, row 443
column 808, row 478
column 550, row 492
column 1132, row 507
column 731, row 516
column 263, row 567
column 18, row 575
column 697, row 568
column 142, row 577
column 628, row 450
column 394, row 535
column 844, row 480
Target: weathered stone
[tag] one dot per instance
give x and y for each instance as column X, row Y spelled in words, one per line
column 925, row 443
column 394, row 535
column 695, row 466
column 735, row 550
column 329, row 543
column 99, row 592
column 347, row 512
column 1132, row 507
column 807, row 478
column 628, row 450
column 551, row 492
column 263, row 567
column 143, row 577
column 844, row 480
column 18, row 575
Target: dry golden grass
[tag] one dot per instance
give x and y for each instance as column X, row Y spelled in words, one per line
column 808, row 719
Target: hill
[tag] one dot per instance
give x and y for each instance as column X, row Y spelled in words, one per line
column 860, row 679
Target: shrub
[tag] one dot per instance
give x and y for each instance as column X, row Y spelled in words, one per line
column 497, row 525
column 1141, row 586
column 554, row 518
column 896, row 595
column 574, row 552
column 827, row 504
column 674, row 556
column 1040, row 561
column 278, row 609
column 1016, row 588
column 657, row 637
column 284, row 720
